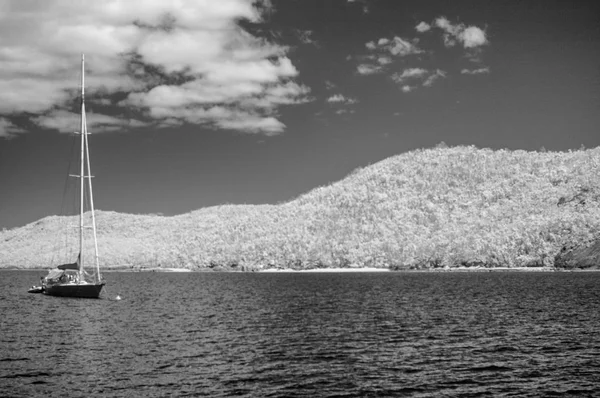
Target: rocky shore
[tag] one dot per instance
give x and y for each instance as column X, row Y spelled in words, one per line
column 585, row 257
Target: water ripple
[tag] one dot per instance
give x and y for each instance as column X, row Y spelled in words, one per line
column 306, row 335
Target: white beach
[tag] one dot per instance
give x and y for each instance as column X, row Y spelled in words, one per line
column 366, row 269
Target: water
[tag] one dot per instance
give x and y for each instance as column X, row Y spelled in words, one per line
column 305, row 335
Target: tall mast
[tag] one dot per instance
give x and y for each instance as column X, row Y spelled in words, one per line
column 86, row 172
column 81, row 170
column 89, row 177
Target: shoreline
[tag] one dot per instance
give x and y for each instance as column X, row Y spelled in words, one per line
column 317, row 270
column 332, row 270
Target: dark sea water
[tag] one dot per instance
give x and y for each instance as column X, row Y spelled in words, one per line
column 305, row 335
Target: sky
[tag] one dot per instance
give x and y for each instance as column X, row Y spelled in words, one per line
column 196, row 103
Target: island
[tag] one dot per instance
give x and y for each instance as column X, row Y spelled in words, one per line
column 459, row 208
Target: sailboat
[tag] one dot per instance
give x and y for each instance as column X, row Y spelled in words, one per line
column 72, row 280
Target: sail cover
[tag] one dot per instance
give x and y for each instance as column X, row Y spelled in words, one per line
column 74, row 265
column 68, row 266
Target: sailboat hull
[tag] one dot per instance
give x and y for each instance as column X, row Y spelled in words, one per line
column 88, row 290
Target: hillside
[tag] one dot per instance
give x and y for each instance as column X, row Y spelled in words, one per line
column 442, row 207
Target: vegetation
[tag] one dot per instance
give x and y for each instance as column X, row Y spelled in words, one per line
column 434, row 208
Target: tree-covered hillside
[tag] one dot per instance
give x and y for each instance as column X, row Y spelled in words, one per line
column 442, row 207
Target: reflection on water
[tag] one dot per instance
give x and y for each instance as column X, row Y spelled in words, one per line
column 305, row 335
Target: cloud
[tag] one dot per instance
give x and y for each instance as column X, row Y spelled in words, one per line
column 305, row 36
column 433, row 77
column 474, row 55
column 473, row 37
column 402, row 47
column 396, row 46
column 468, row 36
column 344, row 111
column 253, row 124
column 475, row 71
column 367, row 69
column 408, row 74
column 342, row 104
column 221, row 106
column 68, row 122
column 8, row 129
column 273, row 96
column 192, row 52
column 336, row 98
column 416, row 76
column 444, row 24
column 340, row 99
column 221, row 117
column 449, row 40
column 21, row 93
column 383, row 52
column 384, row 60
column 422, row 27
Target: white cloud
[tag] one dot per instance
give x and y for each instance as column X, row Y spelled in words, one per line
column 8, row 128
column 31, row 94
column 449, row 40
column 415, row 75
column 259, row 71
column 192, row 93
column 197, row 94
column 422, row 27
column 253, row 124
column 473, row 37
column 289, row 93
column 433, row 77
column 475, row 71
column 384, row 60
column 402, row 47
column 384, row 51
column 366, row 69
column 191, row 51
column 474, row 55
column 220, row 116
column 469, row 37
column 342, row 104
column 340, row 99
column 408, row 74
column 396, row 46
column 336, row 98
column 444, row 23
column 305, row 36
column 69, row 122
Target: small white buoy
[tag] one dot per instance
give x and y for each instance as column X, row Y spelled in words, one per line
column 118, row 297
